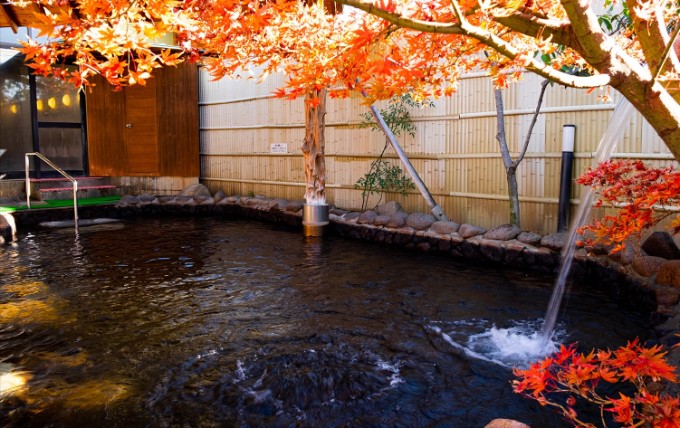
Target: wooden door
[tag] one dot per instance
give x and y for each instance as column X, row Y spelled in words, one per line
column 141, row 133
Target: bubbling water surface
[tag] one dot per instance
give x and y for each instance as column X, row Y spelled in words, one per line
column 214, row 322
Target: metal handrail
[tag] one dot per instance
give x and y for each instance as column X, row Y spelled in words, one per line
column 60, row 171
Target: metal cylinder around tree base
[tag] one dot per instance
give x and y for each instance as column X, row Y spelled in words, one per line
column 314, row 219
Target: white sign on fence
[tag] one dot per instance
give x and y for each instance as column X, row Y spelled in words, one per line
column 279, row 148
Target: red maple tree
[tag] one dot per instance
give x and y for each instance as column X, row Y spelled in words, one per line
column 582, row 377
column 644, row 196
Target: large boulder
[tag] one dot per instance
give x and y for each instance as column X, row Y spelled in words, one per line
column 445, row 227
column 505, row 232
column 530, row 238
column 661, row 244
column 468, row 231
column 219, row 195
column 388, row 208
column 278, row 204
column 294, row 206
column 195, row 190
column 367, row 217
column 669, row 273
column 647, row 265
column 555, row 241
column 382, row 220
column 420, row 221
column 397, row 220
column 351, row 216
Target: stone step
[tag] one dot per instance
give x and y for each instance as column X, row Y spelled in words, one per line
column 44, row 189
column 54, row 182
column 83, row 192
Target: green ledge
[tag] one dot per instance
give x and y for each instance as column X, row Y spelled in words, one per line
column 61, row 203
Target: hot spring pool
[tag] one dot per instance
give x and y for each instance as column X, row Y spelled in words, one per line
column 212, row 323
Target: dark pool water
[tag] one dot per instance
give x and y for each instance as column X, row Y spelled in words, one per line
column 214, row 323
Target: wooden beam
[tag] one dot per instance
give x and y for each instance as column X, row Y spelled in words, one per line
column 6, row 16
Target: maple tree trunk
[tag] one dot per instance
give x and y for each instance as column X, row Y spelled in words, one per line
column 513, row 193
column 313, row 147
column 658, row 107
column 510, row 169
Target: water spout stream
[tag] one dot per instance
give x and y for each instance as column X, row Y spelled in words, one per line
column 612, row 135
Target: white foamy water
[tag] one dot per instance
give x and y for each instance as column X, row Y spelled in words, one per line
column 516, row 346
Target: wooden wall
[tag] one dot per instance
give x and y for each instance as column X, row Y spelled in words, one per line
column 178, row 121
column 167, row 147
column 454, row 150
column 105, row 130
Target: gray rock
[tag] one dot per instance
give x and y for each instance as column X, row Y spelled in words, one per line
column 205, row 201
column 504, row 232
column 624, row 257
column 381, row 220
column 388, row 208
column 278, row 204
column 647, row 265
column 468, row 231
column 194, row 190
column 492, row 250
column 219, row 195
column 146, row 197
column 530, row 238
column 128, row 200
column 555, row 241
column 337, row 211
column 183, row 200
column 165, row 199
column 669, row 273
column 667, row 296
column 420, row 221
column 513, row 251
column 445, row 227
column 351, row 216
column 294, row 206
column 397, row 221
column 251, row 202
column 232, row 199
column 661, row 244
column 367, row 217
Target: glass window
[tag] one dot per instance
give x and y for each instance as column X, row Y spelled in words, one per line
column 57, row 101
column 15, row 115
column 63, row 146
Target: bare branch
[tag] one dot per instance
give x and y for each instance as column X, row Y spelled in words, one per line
column 500, row 128
column 539, row 103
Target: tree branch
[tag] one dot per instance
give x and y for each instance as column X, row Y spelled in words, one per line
column 489, row 39
column 559, row 32
column 669, row 53
column 652, row 35
column 588, row 38
column 500, row 129
column 539, row 103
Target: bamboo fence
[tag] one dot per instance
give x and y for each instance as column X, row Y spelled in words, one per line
column 250, row 143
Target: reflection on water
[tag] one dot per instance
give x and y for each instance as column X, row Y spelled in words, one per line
column 211, row 322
